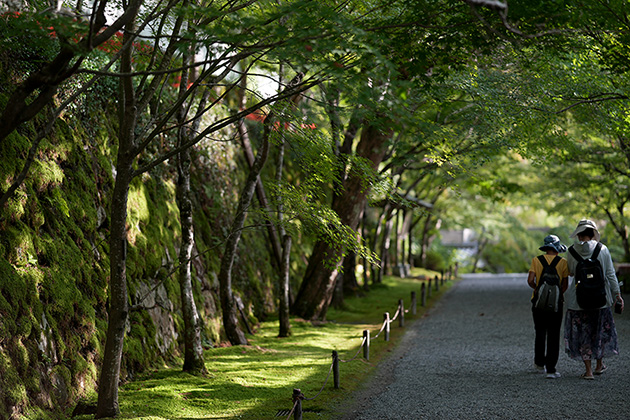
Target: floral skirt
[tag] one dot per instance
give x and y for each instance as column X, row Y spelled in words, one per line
column 590, row 335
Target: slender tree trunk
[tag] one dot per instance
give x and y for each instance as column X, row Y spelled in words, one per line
column 274, row 238
column 367, row 270
column 385, row 248
column 283, row 310
column 118, row 300
column 477, row 258
column 230, row 320
column 350, row 283
column 193, row 351
column 426, row 226
column 396, row 238
column 118, row 304
column 376, row 271
column 317, row 286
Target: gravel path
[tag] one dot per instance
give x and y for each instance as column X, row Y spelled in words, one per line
column 472, row 357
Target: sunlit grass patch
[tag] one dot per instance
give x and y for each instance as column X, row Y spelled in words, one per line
column 257, row 381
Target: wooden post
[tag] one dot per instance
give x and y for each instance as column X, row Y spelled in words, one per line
column 297, row 401
column 429, row 288
column 413, row 303
column 366, row 345
column 401, row 317
column 386, row 321
column 423, row 294
column 335, row 357
column 437, row 284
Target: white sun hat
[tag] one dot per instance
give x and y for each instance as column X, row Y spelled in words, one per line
column 583, row 225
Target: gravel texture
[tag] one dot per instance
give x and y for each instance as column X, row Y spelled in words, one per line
column 471, row 357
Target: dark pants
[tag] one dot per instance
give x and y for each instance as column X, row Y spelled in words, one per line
column 547, row 326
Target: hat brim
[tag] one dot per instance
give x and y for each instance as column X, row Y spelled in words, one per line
column 582, row 228
column 559, row 249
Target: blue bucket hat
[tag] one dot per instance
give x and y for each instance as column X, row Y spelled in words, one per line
column 553, row 242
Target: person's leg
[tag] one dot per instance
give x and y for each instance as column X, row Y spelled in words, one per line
column 599, row 367
column 554, row 323
column 539, row 341
column 589, row 371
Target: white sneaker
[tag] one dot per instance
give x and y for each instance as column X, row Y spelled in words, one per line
column 554, row 375
column 539, row 369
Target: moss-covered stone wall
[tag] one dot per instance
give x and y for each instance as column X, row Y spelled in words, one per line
column 54, row 263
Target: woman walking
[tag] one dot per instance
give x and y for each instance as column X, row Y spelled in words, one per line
column 548, row 320
column 590, row 333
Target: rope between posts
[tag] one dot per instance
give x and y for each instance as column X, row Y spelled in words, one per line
column 320, row 391
column 357, row 353
column 395, row 315
column 382, row 328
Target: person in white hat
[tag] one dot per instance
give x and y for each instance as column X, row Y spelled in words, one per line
column 547, row 324
column 591, row 334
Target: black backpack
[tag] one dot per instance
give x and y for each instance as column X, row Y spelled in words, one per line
column 548, row 295
column 590, row 286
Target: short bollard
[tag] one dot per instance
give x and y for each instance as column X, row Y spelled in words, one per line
column 366, row 344
column 413, row 303
column 335, row 357
column 386, row 322
column 429, row 288
column 401, row 319
column 297, row 401
column 437, row 284
column 423, row 294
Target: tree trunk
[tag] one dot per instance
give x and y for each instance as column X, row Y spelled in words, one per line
column 118, row 300
column 118, row 303
column 385, row 247
column 193, row 351
column 317, row 286
column 230, row 320
column 376, row 271
column 424, row 248
column 364, row 260
column 283, row 310
column 477, row 257
column 350, row 283
column 276, row 247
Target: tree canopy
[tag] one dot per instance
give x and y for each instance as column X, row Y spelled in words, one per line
column 352, row 131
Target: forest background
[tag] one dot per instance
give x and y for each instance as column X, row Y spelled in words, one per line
column 174, row 171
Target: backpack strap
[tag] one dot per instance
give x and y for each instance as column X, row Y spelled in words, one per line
column 598, row 248
column 544, row 263
column 576, row 255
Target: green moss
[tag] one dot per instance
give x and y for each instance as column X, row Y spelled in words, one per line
column 19, row 244
column 20, row 356
column 32, row 381
column 46, row 174
column 12, row 150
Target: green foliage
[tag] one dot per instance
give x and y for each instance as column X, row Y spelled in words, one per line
column 25, row 43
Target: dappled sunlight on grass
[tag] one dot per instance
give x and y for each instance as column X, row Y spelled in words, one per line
column 257, row 380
